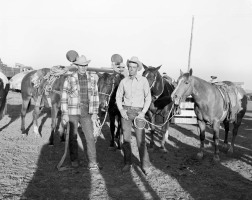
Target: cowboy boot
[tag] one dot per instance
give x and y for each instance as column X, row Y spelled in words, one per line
column 126, row 147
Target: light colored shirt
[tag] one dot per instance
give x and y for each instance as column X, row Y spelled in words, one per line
column 134, row 92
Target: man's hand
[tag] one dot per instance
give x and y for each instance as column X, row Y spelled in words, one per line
column 124, row 114
column 141, row 115
column 94, row 117
column 64, row 120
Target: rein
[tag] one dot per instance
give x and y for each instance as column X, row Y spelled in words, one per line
column 146, row 121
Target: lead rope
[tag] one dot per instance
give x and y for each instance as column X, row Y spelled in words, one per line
column 97, row 125
column 146, row 121
column 65, row 152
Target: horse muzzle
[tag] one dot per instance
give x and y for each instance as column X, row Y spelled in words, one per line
column 176, row 99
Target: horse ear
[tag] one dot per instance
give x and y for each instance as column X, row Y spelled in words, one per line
column 158, row 67
column 181, row 73
column 99, row 74
column 145, row 67
column 190, row 72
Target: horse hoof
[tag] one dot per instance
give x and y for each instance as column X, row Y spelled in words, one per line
column 200, row 155
column 216, row 158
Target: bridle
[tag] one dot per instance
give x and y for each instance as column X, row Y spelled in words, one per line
column 153, row 84
column 112, row 89
column 154, row 81
column 182, row 96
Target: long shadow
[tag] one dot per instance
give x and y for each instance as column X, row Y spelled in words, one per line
column 121, row 185
column 202, row 179
column 49, row 183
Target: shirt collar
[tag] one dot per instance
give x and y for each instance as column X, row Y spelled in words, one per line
column 137, row 77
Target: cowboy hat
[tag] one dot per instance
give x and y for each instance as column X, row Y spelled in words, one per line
column 116, row 58
column 135, row 60
column 82, row 60
column 72, row 55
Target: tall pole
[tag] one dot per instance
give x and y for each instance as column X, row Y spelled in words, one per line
column 190, row 49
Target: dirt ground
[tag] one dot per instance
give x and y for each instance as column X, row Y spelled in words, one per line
column 28, row 165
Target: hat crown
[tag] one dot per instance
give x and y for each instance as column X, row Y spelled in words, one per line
column 82, row 60
column 135, row 59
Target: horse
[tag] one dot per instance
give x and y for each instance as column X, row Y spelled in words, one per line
column 161, row 103
column 33, row 86
column 107, row 87
column 4, row 89
column 213, row 105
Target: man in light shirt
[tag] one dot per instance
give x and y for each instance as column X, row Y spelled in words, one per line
column 133, row 99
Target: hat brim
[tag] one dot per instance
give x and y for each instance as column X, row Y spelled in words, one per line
column 139, row 64
column 82, row 63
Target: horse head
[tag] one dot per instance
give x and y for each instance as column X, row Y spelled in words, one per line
column 184, row 87
column 155, row 80
column 106, row 86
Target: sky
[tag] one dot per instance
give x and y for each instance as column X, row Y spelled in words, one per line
column 39, row 34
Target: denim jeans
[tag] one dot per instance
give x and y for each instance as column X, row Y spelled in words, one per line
column 140, row 136
column 87, row 128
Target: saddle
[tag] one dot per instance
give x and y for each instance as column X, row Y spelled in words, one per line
column 231, row 97
column 43, row 83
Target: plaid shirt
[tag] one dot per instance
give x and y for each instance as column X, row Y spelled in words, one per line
column 70, row 97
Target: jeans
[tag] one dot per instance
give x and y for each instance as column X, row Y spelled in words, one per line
column 87, row 128
column 140, row 138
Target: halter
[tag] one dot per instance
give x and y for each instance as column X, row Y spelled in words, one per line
column 153, row 84
column 184, row 92
column 109, row 95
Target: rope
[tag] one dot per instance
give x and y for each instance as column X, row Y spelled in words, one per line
column 146, row 121
column 50, row 77
column 65, row 152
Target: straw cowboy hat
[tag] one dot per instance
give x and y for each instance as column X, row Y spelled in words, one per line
column 134, row 59
column 116, row 58
column 82, row 61
column 72, row 55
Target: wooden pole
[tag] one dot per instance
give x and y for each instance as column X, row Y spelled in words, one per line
column 190, row 48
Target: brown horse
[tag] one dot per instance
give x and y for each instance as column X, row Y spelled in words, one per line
column 107, row 87
column 213, row 105
column 41, row 99
column 161, row 104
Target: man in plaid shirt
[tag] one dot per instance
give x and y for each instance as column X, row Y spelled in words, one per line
column 80, row 104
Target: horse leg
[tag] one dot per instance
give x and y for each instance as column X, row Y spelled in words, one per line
column 112, row 131
column 62, row 130
column 165, row 137
column 216, row 128
column 152, row 144
column 35, row 114
column 54, row 113
column 235, row 130
column 202, row 127
column 226, row 127
column 25, row 105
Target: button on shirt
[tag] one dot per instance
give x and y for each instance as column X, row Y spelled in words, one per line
column 134, row 92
